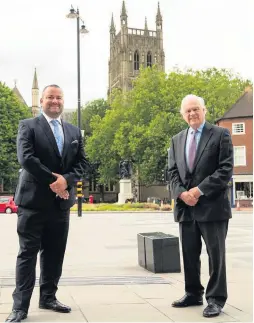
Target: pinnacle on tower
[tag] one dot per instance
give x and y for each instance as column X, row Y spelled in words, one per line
column 35, row 81
column 123, row 13
column 112, row 26
column 146, row 28
column 158, row 16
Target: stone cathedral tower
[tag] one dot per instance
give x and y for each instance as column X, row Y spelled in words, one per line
column 131, row 48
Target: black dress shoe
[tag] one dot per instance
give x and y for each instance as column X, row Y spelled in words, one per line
column 55, row 306
column 212, row 310
column 188, row 300
column 16, row 316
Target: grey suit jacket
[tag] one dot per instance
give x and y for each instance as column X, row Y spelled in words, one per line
column 38, row 156
column 213, row 167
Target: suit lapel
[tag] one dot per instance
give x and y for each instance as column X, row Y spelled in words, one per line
column 48, row 132
column 182, row 148
column 205, row 137
column 67, row 138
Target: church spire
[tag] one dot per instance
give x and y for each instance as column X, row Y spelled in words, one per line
column 112, row 26
column 35, row 96
column 123, row 13
column 35, row 81
column 158, row 16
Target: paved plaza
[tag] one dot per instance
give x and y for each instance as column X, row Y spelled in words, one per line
column 103, row 282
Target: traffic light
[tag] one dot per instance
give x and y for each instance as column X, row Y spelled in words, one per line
column 79, row 189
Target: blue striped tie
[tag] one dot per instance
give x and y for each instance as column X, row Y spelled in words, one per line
column 58, row 136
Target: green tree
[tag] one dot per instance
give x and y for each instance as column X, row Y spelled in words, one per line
column 91, row 109
column 11, row 112
column 99, row 146
column 140, row 123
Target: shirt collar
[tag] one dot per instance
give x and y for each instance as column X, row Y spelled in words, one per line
column 50, row 119
column 200, row 128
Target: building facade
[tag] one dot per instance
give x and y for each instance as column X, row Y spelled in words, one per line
column 239, row 121
column 132, row 48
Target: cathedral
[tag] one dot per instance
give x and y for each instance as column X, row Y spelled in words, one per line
column 132, row 48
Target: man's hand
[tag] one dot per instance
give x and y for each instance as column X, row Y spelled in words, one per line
column 64, row 195
column 195, row 192
column 188, row 198
column 59, row 186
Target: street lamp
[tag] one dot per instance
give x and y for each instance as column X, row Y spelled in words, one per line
column 74, row 13
column 80, row 30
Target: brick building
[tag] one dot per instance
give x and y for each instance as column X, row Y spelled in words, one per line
column 239, row 120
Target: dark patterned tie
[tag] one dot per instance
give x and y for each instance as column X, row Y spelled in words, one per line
column 192, row 149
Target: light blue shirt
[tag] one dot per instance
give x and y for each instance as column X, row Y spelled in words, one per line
column 197, row 138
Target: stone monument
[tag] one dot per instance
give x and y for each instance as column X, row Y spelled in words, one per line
column 125, row 181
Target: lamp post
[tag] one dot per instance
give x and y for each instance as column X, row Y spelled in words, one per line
column 74, row 14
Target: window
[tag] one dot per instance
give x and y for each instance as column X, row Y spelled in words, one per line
column 110, row 187
column 246, row 189
column 238, row 128
column 239, row 156
column 4, row 199
column 136, row 61
column 130, row 53
column 149, row 59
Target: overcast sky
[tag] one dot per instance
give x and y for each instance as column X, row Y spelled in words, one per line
column 197, row 34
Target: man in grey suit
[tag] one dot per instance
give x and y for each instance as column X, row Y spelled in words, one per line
column 52, row 157
column 200, row 167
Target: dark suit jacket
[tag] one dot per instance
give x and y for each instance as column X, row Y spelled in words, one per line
column 212, row 171
column 39, row 157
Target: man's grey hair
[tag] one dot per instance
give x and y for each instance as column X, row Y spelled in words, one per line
column 194, row 97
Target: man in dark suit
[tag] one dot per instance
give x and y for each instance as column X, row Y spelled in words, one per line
column 52, row 157
column 200, row 167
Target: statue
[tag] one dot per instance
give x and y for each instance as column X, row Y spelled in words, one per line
column 125, row 169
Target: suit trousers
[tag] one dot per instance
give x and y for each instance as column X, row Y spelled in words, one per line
column 45, row 231
column 214, row 234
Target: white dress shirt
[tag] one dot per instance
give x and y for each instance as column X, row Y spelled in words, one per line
column 51, row 125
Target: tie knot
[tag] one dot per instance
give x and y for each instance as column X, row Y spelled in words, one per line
column 194, row 132
column 55, row 122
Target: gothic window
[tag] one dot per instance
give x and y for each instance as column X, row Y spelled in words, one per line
column 136, row 61
column 149, row 59
column 130, row 53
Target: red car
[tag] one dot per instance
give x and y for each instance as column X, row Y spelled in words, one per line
column 7, row 205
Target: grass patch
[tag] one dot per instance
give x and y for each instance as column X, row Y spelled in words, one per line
column 121, row 207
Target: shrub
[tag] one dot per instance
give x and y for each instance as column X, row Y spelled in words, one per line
column 118, row 207
column 166, row 207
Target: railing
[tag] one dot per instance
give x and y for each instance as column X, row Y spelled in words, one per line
column 141, row 32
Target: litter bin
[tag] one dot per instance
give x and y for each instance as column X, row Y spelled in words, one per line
column 159, row 252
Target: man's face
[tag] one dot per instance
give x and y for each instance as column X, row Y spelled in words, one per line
column 52, row 102
column 193, row 113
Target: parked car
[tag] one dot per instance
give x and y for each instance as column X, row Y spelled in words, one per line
column 7, row 205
